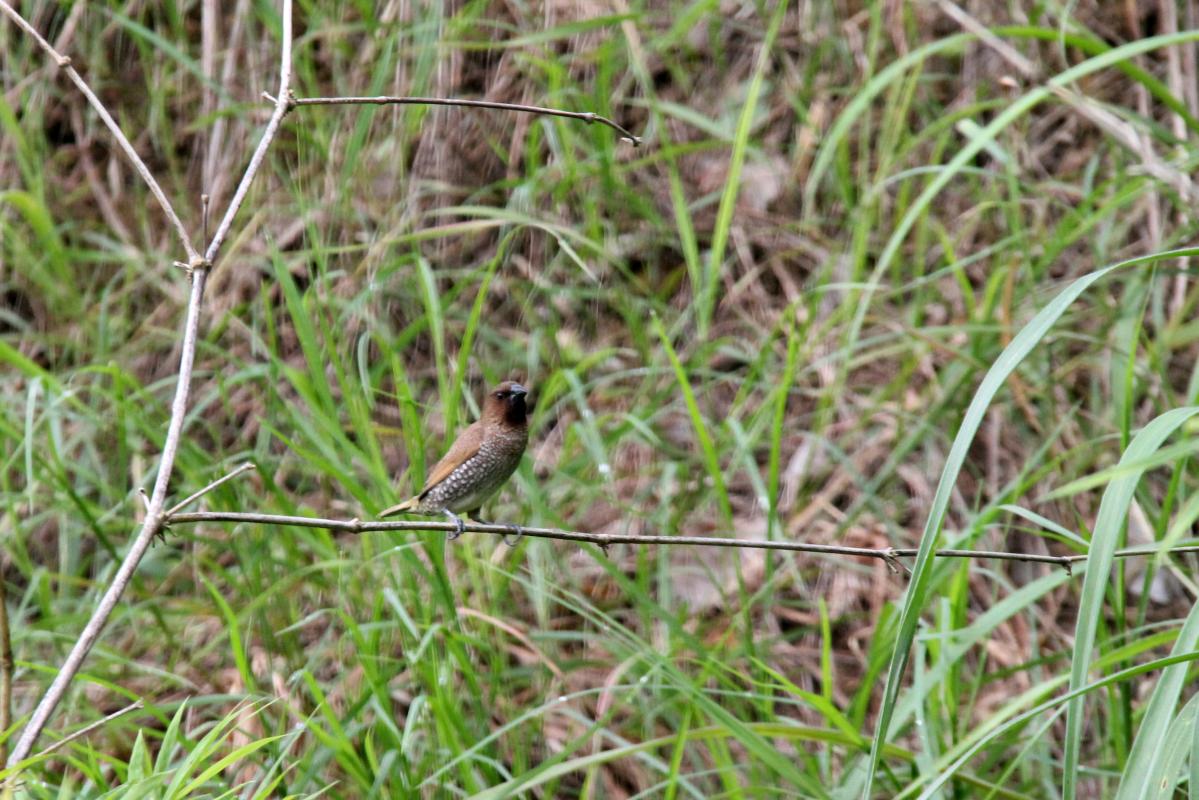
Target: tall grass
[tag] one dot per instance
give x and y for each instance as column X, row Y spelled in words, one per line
column 854, row 288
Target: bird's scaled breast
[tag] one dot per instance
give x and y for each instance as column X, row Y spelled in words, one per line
column 477, row 478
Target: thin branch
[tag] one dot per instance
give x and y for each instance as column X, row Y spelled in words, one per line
column 605, row 540
column 1125, row 134
column 6, row 783
column 64, row 63
column 182, row 504
column 1005, row 51
column 282, row 106
column 390, row 100
column 86, row 729
column 155, row 517
column 6, row 663
column 150, row 528
column 79, row 734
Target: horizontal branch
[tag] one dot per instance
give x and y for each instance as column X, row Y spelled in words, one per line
column 392, row 100
column 605, row 540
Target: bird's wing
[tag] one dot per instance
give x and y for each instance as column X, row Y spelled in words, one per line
column 464, row 447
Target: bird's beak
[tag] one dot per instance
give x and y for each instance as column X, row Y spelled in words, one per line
column 518, row 390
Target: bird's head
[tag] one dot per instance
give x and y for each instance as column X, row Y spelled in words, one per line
column 505, row 404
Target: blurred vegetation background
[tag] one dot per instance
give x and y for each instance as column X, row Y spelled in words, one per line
column 766, row 321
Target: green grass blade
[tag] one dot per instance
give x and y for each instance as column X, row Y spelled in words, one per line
column 918, row 585
column 1113, row 514
column 707, row 446
column 1118, row 677
column 732, row 185
column 1144, row 775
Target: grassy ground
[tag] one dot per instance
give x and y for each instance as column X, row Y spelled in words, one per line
column 773, row 319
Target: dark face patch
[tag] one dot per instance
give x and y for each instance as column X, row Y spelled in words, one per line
column 515, row 408
column 511, row 396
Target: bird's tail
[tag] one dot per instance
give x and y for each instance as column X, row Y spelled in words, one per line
column 400, row 508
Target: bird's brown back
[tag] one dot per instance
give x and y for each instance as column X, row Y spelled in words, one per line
column 464, row 447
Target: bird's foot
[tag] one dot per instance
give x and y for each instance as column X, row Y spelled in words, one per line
column 458, row 523
column 512, row 539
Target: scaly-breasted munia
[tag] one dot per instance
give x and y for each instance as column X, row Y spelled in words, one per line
column 484, row 456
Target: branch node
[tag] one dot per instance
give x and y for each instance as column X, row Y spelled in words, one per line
column 63, row 61
column 892, row 561
column 161, row 526
column 1069, row 567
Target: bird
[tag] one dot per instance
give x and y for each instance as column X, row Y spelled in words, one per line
column 479, row 462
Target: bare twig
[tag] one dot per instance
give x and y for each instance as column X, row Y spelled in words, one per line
column 155, row 517
column 282, row 106
column 86, row 729
column 65, row 64
column 386, row 100
column 182, row 504
column 150, row 528
column 208, row 35
column 79, row 734
column 7, row 783
column 605, row 540
column 1008, row 53
column 6, row 663
column 1175, row 57
column 1126, row 135
column 217, row 156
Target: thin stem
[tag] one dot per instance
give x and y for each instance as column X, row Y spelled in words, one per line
column 6, row 663
column 605, row 540
column 282, row 106
column 150, row 528
column 385, row 100
column 71, row 737
column 155, row 516
column 85, row 730
column 64, row 63
column 182, row 504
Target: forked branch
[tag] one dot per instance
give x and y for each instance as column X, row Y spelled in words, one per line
column 198, row 267
column 64, row 63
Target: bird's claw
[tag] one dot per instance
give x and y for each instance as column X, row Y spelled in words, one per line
column 512, row 539
column 459, row 525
